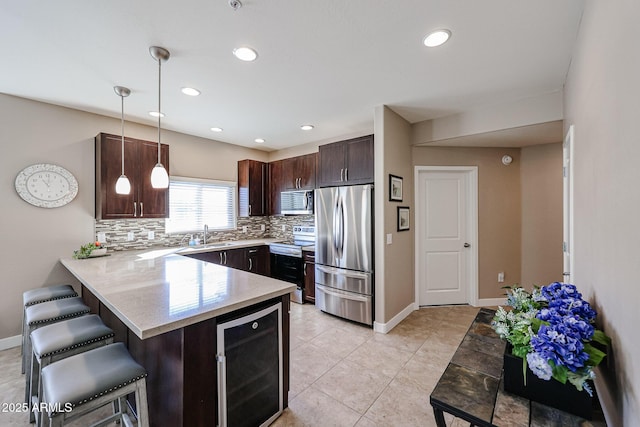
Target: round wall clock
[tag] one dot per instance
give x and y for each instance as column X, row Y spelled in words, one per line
column 46, row 185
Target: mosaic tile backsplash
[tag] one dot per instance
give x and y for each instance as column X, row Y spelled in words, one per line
column 117, row 231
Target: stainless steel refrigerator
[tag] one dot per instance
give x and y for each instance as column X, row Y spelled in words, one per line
column 344, row 252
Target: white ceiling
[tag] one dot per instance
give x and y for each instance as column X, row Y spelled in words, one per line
column 324, row 62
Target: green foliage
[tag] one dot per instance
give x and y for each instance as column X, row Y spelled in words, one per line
column 85, row 250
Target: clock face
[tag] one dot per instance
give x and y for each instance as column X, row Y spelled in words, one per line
column 47, row 186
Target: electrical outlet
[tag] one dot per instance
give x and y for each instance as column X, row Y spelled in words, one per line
column 501, row 277
column 284, row 227
column 130, row 236
column 244, row 228
column 102, row 238
column 151, row 235
column 263, row 227
column 389, row 239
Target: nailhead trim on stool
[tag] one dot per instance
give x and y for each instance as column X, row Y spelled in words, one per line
column 91, row 379
column 37, row 296
column 43, row 314
column 59, row 340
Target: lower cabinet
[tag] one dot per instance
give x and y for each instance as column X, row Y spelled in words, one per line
column 254, row 259
column 250, row 362
column 309, row 259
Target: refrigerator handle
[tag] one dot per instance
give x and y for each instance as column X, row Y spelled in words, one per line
column 336, row 226
column 341, row 226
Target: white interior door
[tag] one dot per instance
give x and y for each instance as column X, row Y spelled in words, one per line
column 446, row 235
column 567, row 211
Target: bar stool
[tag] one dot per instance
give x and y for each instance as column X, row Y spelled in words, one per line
column 37, row 296
column 79, row 384
column 58, row 341
column 43, row 314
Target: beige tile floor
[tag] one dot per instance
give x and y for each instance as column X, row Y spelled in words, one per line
column 342, row 374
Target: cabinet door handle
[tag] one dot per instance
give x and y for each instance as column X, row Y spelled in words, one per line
column 341, row 174
column 249, row 210
column 135, row 209
column 225, row 257
column 304, row 269
column 141, row 209
column 346, row 174
column 250, row 264
column 220, row 258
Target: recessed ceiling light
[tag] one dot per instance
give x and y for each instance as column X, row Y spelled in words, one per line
column 437, row 38
column 259, row 140
column 306, row 127
column 190, row 91
column 156, row 114
column 245, row 53
column 216, row 129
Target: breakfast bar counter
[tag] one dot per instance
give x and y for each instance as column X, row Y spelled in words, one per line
column 167, row 308
column 156, row 291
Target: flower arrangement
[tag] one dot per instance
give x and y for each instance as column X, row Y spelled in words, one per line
column 86, row 250
column 552, row 330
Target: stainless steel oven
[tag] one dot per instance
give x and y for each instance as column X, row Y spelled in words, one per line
column 286, row 259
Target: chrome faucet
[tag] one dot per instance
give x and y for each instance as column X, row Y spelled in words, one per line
column 204, row 237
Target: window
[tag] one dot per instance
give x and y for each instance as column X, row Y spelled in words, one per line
column 195, row 202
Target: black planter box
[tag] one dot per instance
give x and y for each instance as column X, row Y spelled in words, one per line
column 551, row 393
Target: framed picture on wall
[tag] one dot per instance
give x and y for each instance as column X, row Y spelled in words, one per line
column 395, row 188
column 403, row 218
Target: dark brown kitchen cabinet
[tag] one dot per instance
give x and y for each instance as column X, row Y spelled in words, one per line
column 295, row 173
column 233, row 258
column 252, row 184
column 254, row 259
column 140, row 157
column 346, row 162
column 309, row 259
column 258, row 260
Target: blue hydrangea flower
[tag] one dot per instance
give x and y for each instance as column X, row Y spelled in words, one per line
column 539, row 366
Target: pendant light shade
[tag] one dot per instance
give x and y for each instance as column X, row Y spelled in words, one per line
column 159, row 175
column 123, row 186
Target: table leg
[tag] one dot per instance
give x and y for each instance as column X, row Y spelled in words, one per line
column 439, row 416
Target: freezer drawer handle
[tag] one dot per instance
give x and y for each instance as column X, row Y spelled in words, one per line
column 344, row 295
column 353, row 274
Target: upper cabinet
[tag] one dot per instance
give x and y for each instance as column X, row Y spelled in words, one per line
column 346, row 162
column 143, row 201
column 300, row 172
column 296, row 173
column 252, row 182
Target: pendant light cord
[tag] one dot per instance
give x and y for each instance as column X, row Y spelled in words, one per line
column 122, row 129
column 159, row 110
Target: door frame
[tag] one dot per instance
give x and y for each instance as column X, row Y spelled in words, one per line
column 471, row 173
column 567, row 203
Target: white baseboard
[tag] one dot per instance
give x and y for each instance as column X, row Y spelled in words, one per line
column 490, row 302
column 386, row 327
column 10, row 342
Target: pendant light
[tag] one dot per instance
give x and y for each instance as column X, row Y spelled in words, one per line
column 123, row 186
column 159, row 175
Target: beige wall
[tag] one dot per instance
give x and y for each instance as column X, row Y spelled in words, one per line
column 541, row 181
column 395, row 289
column 33, row 239
column 601, row 101
column 499, row 214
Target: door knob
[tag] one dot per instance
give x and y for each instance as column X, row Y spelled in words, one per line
column 467, row 245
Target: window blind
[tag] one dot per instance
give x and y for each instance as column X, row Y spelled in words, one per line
column 196, row 202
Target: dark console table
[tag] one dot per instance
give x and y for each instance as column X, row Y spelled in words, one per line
column 471, row 387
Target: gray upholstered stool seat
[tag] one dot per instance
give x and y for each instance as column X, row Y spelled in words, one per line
column 60, row 340
column 43, row 314
column 36, row 296
column 82, row 383
column 49, row 293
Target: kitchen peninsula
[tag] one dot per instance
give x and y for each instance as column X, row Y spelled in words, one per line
column 169, row 310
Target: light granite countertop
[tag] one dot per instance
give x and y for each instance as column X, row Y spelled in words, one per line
column 157, row 290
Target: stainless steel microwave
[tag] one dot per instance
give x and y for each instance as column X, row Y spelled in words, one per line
column 298, row 202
